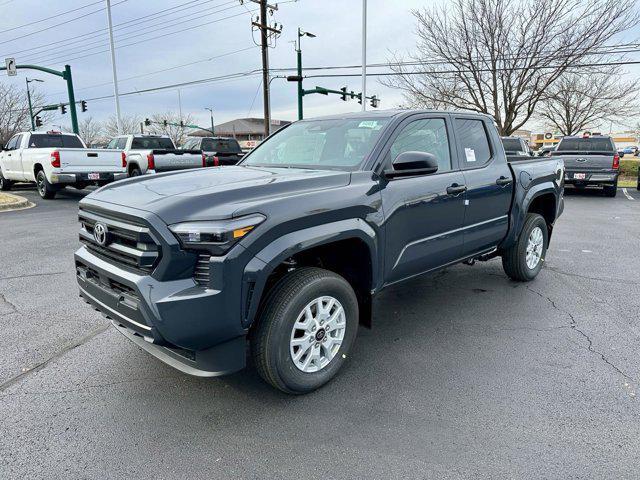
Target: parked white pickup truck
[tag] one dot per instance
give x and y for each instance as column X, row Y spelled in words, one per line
column 54, row 160
column 155, row 153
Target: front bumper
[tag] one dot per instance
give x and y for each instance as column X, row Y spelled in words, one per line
column 179, row 322
column 73, row 178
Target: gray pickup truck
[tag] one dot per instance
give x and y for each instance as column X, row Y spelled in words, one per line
column 590, row 161
column 285, row 251
column 516, row 146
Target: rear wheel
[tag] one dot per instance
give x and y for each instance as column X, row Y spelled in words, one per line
column 135, row 172
column 45, row 189
column 611, row 191
column 4, row 183
column 305, row 331
column 523, row 261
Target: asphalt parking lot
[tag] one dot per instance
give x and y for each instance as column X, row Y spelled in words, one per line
column 465, row 374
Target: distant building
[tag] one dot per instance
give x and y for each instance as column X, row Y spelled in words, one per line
column 548, row 139
column 248, row 131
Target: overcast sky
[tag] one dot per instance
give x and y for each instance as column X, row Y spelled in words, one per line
column 194, row 32
column 191, row 32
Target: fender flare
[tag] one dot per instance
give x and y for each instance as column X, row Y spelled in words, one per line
column 260, row 267
column 520, row 210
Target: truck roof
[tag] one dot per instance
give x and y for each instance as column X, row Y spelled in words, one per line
column 397, row 113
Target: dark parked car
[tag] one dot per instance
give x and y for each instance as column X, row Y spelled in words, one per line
column 218, row 150
column 516, row 146
column 590, row 161
column 286, row 250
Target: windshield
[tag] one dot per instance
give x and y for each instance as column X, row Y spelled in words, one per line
column 512, row 145
column 221, row 145
column 152, row 143
column 331, row 144
column 54, row 141
column 585, row 145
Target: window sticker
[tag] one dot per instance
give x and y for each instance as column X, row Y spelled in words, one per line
column 368, row 124
column 470, row 154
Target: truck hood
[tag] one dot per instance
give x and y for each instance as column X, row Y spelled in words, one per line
column 214, row 193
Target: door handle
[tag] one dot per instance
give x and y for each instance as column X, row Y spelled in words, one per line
column 503, row 181
column 456, row 189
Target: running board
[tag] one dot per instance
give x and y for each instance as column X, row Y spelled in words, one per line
column 484, row 257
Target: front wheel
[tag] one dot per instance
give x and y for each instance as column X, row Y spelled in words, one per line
column 523, row 261
column 45, row 189
column 4, row 183
column 305, row 331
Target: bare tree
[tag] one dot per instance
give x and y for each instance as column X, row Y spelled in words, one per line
column 130, row 124
column 500, row 56
column 92, row 132
column 14, row 111
column 177, row 133
column 578, row 101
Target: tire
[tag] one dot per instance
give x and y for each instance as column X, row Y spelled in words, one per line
column 611, row 191
column 45, row 189
column 514, row 259
column 135, row 172
column 272, row 340
column 5, row 184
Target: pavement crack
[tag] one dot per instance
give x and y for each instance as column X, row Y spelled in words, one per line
column 74, row 344
column 12, row 307
column 587, row 277
column 574, row 326
column 27, row 275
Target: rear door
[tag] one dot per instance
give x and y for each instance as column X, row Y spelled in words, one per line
column 422, row 220
column 489, row 183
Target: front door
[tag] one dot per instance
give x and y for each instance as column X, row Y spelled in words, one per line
column 423, row 222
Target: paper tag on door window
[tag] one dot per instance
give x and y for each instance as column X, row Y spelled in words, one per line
column 470, row 154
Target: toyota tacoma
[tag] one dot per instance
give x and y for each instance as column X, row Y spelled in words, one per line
column 284, row 252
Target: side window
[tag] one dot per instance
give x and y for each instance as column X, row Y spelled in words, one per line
column 121, row 143
column 11, row 144
column 18, row 141
column 427, row 135
column 474, row 141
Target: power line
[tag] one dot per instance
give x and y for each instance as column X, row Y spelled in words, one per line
column 100, row 37
column 148, row 39
column 49, row 18
column 127, row 36
column 59, row 24
column 119, row 26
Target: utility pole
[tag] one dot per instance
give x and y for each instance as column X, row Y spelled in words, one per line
column 266, row 33
column 113, row 67
column 364, row 54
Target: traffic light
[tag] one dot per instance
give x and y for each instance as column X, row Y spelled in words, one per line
column 63, row 108
column 83, row 105
column 375, row 101
column 147, row 122
column 38, row 122
column 165, row 123
column 181, row 124
column 344, row 94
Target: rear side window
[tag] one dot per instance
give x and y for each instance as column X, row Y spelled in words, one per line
column 512, row 145
column 152, row 143
column 474, row 141
column 39, row 140
column 586, row 145
column 427, row 135
column 121, row 143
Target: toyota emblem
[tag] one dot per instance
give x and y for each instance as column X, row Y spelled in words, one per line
column 101, row 233
column 581, row 160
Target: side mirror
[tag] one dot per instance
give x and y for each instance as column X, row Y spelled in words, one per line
column 413, row 163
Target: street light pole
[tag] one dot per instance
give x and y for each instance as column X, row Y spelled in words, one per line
column 301, row 34
column 364, row 55
column 213, row 131
column 113, row 67
column 28, row 81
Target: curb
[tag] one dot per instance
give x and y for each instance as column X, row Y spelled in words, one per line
column 16, row 202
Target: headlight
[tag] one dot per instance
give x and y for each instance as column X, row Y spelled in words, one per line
column 216, row 236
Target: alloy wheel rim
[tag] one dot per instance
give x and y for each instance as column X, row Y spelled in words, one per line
column 535, row 245
column 317, row 334
column 40, row 183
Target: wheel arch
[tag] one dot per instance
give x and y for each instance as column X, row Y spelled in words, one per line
column 351, row 239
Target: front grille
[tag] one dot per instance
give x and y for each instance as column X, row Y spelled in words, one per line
column 128, row 244
column 201, row 272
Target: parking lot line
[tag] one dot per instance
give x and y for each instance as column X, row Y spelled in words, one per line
column 626, row 194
